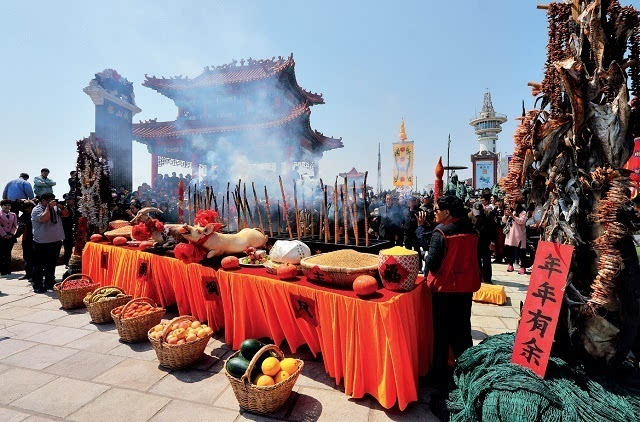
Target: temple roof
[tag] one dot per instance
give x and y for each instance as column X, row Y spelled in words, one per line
column 247, row 71
column 352, row 174
column 152, row 130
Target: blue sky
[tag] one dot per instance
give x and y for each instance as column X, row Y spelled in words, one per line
column 375, row 62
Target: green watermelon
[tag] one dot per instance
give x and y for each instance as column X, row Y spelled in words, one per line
column 249, row 348
column 237, row 366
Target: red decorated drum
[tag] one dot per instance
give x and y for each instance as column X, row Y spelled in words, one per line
column 398, row 268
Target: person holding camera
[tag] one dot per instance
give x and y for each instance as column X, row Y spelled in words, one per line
column 8, row 228
column 48, row 235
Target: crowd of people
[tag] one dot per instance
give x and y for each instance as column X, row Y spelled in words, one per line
column 44, row 225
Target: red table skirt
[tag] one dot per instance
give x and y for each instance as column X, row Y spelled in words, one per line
column 378, row 346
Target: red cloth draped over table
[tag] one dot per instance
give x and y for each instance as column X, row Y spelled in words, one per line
column 378, row 346
column 166, row 280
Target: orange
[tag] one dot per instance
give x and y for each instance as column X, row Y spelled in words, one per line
column 281, row 376
column 264, row 380
column 289, row 365
column 270, row 366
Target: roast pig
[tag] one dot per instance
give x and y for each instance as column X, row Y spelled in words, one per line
column 219, row 244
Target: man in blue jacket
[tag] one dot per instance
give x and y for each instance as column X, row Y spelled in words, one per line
column 18, row 190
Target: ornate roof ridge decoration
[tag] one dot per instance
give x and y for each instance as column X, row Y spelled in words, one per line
column 177, row 129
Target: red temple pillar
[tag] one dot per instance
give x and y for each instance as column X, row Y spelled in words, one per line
column 154, row 169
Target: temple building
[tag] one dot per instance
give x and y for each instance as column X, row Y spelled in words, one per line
column 253, row 108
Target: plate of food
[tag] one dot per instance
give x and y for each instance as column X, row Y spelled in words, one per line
column 255, row 257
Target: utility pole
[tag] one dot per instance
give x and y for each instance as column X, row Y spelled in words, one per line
column 448, row 149
column 379, row 187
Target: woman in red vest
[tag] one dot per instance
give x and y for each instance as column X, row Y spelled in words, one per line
column 453, row 275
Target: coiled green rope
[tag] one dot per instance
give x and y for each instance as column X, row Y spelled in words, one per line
column 489, row 388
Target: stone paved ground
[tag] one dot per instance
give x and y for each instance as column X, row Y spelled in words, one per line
column 56, row 365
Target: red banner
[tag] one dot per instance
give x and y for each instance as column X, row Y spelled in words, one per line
column 104, row 260
column 539, row 317
column 143, row 271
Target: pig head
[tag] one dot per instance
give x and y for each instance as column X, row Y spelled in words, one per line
column 219, row 244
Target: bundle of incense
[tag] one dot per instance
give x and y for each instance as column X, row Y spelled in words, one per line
column 248, row 208
column 295, row 209
column 279, row 217
column 207, row 198
column 228, row 207
column 355, row 213
column 312, row 224
column 304, row 209
column 255, row 198
column 344, row 194
column 284, row 209
column 336, row 221
column 366, row 214
column 326, row 217
column 223, row 220
column 215, row 202
column 267, row 209
column 248, row 216
column 235, row 202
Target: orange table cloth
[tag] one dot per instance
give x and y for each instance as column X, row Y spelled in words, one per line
column 378, row 346
column 164, row 279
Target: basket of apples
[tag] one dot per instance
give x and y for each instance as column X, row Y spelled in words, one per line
column 180, row 342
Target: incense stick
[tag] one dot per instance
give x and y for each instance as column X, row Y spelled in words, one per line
column 279, row 218
column 268, row 211
column 355, row 213
column 336, row 216
column 366, row 214
column 284, row 209
column 295, row 208
column 255, row 198
column 326, row 217
column 228, row 207
column 344, row 191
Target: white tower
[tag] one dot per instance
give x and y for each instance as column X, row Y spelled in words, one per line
column 488, row 124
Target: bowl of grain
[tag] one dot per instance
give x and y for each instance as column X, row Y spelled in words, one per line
column 340, row 267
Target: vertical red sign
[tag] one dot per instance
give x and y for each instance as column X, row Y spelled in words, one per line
column 539, row 319
column 304, row 308
column 210, row 288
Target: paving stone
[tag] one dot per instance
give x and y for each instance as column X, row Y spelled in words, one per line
column 414, row 412
column 32, row 300
column 486, row 321
column 4, row 368
column 121, row 405
column 96, row 342
column 493, row 310
column 328, row 405
column 61, row 397
column 59, row 336
column 22, row 330
column 52, row 305
column 103, row 328
column 9, row 346
column 131, row 373
column 73, row 320
column 314, row 375
column 227, row 400
column 17, row 290
column 84, row 365
column 193, row 385
column 43, row 315
column 494, row 331
column 13, row 312
column 18, row 382
column 142, row 351
column 8, row 323
column 212, row 360
column 39, row 356
column 8, row 415
column 510, row 323
column 478, row 334
column 38, row 419
column 185, row 411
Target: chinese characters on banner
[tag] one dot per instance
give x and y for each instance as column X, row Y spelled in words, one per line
column 210, row 288
column 304, row 308
column 539, row 319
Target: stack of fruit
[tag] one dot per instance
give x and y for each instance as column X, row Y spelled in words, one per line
column 135, row 318
column 82, row 283
column 134, row 310
column 268, row 370
column 73, row 290
column 181, row 332
column 103, row 300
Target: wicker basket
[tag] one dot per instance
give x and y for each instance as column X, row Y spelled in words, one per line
column 101, row 311
column 175, row 356
column 124, row 231
column 262, row 400
column 135, row 329
column 73, row 298
column 339, row 276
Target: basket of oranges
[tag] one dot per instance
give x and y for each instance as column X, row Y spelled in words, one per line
column 261, row 380
column 73, row 289
column 180, row 342
column 135, row 318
